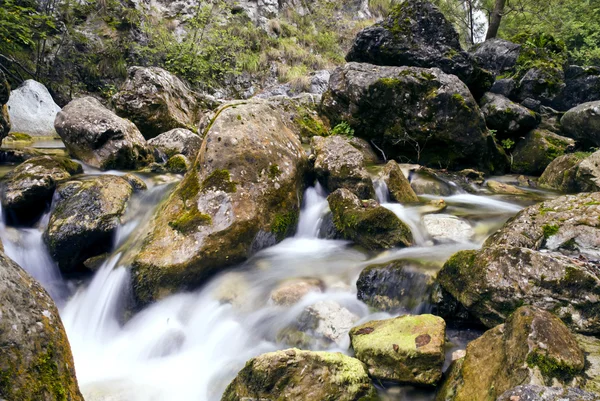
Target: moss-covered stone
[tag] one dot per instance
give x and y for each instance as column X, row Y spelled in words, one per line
column 397, row 183
column 407, row 349
column 219, row 180
column 178, row 164
column 537, row 150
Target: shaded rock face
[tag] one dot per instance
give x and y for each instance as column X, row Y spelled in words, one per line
column 582, row 85
column 32, row 110
column 571, row 173
column 178, row 141
column 509, row 119
column 540, row 258
column 4, row 96
column 417, row 34
column 317, row 85
column 27, row 190
column 537, row 150
column 368, row 224
column 338, row 164
column 395, row 286
column 35, row 357
column 532, row 392
column 399, row 188
column 415, row 114
column 583, row 123
column 156, row 101
column 497, row 55
column 85, row 219
column 540, row 84
column 591, row 348
column 533, row 347
column 296, row 375
column 242, row 194
column 407, row 349
column 98, row 137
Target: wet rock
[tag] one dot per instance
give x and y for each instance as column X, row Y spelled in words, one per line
column 338, row 164
column 4, row 117
column 446, row 228
column 497, row 55
column 509, row 119
column 541, row 84
column 416, row 33
column 537, row 150
column 398, row 185
column 157, row 101
column 502, row 188
column 582, row 85
column 136, row 183
column 85, row 218
column 290, row 292
column 532, row 347
column 583, row 123
column 27, row 190
column 368, row 224
column 407, row 349
column 371, row 157
column 98, row 137
column 32, row 110
column 400, row 285
column 35, row 357
column 296, row 375
column 242, row 194
column 532, row 392
column 425, row 182
column 178, row 141
column 327, row 321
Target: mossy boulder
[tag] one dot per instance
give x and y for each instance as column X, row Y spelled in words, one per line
column 4, row 96
column 591, row 348
column 400, row 285
column 533, row 392
column 498, row 56
column 532, row 347
column 178, row 164
column 100, row 138
column 86, row 215
column 406, row 349
column 35, row 357
column 294, row 375
column 537, row 150
column 338, row 164
column 509, row 119
column 538, row 258
column 416, row 33
column 583, row 123
column 413, row 114
column 27, row 190
column 242, row 194
column 563, row 174
column 367, row 223
column 178, row 141
column 398, row 185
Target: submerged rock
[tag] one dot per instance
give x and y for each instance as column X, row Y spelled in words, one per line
column 32, row 110
column 407, row 349
column 85, row 219
column 422, row 115
column 27, row 190
column 537, row 150
column 416, row 33
column 338, row 164
column 241, row 195
column 368, row 224
column 446, row 228
column 509, row 119
column 157, row 101
column 178, row 141
column 35, row 357
column 98, row 137
column 533, row 347
column 583, row 123
column 295, row 375
column 292, row 291
column 4, row 96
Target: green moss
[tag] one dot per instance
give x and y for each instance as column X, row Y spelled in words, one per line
column 457, row 97
column 284, row 223
column 219, row 180
column 190, row 221
column 551, row 368
column 310, row 126
column 274, row 171
column 177, row 164
column 49, row 376
column 190, row 186
column 549, row 230
column 20, row 136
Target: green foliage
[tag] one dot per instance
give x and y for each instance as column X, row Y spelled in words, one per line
column 508, row 143
column 343, row 129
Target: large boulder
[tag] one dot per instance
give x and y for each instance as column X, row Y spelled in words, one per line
column 4, row 96
column 538, row 258
column 497, row 55
column 417, row 34
column 98, row 137
column 573, row 172
column 27, row 190
column 398, row 186
column 295, row 375
column 582, row 85
column 242, row 194
column 178, row 141
column 416, row 114
column 32, row 110
column 367, row 223
column 533, row 347
column 85, row 218
column 35, row 357
column 537, row 150
column 338, row 164
column 509, row 119
column 406, row 349
column 583, row 123
column 157, row 101
column 533, row 392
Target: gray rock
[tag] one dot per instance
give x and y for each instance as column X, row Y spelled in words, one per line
column 532, row 392
column 35, row 357
column 542, row 85
column 98, row 137
column 316, row 83
column 32, row 110
column 537, row 150
column 327, row 320
column 582, row 85
column 571, row 173
column 583, row 123
column 505, row 87
column 445, row 228
column 509, row 119
column 4, row 117
column 178, row 141
column 497, row 55
column 397, row 184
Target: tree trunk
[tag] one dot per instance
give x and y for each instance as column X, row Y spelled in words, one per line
column 495, row 19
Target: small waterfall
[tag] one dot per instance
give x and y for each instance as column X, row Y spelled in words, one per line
column 382, row 191
column 313, row 209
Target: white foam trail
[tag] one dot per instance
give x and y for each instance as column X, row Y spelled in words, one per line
column 313, row 210
column 479, row 201
column 411, row 218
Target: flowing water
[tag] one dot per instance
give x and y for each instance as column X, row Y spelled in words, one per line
column 189, row 346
